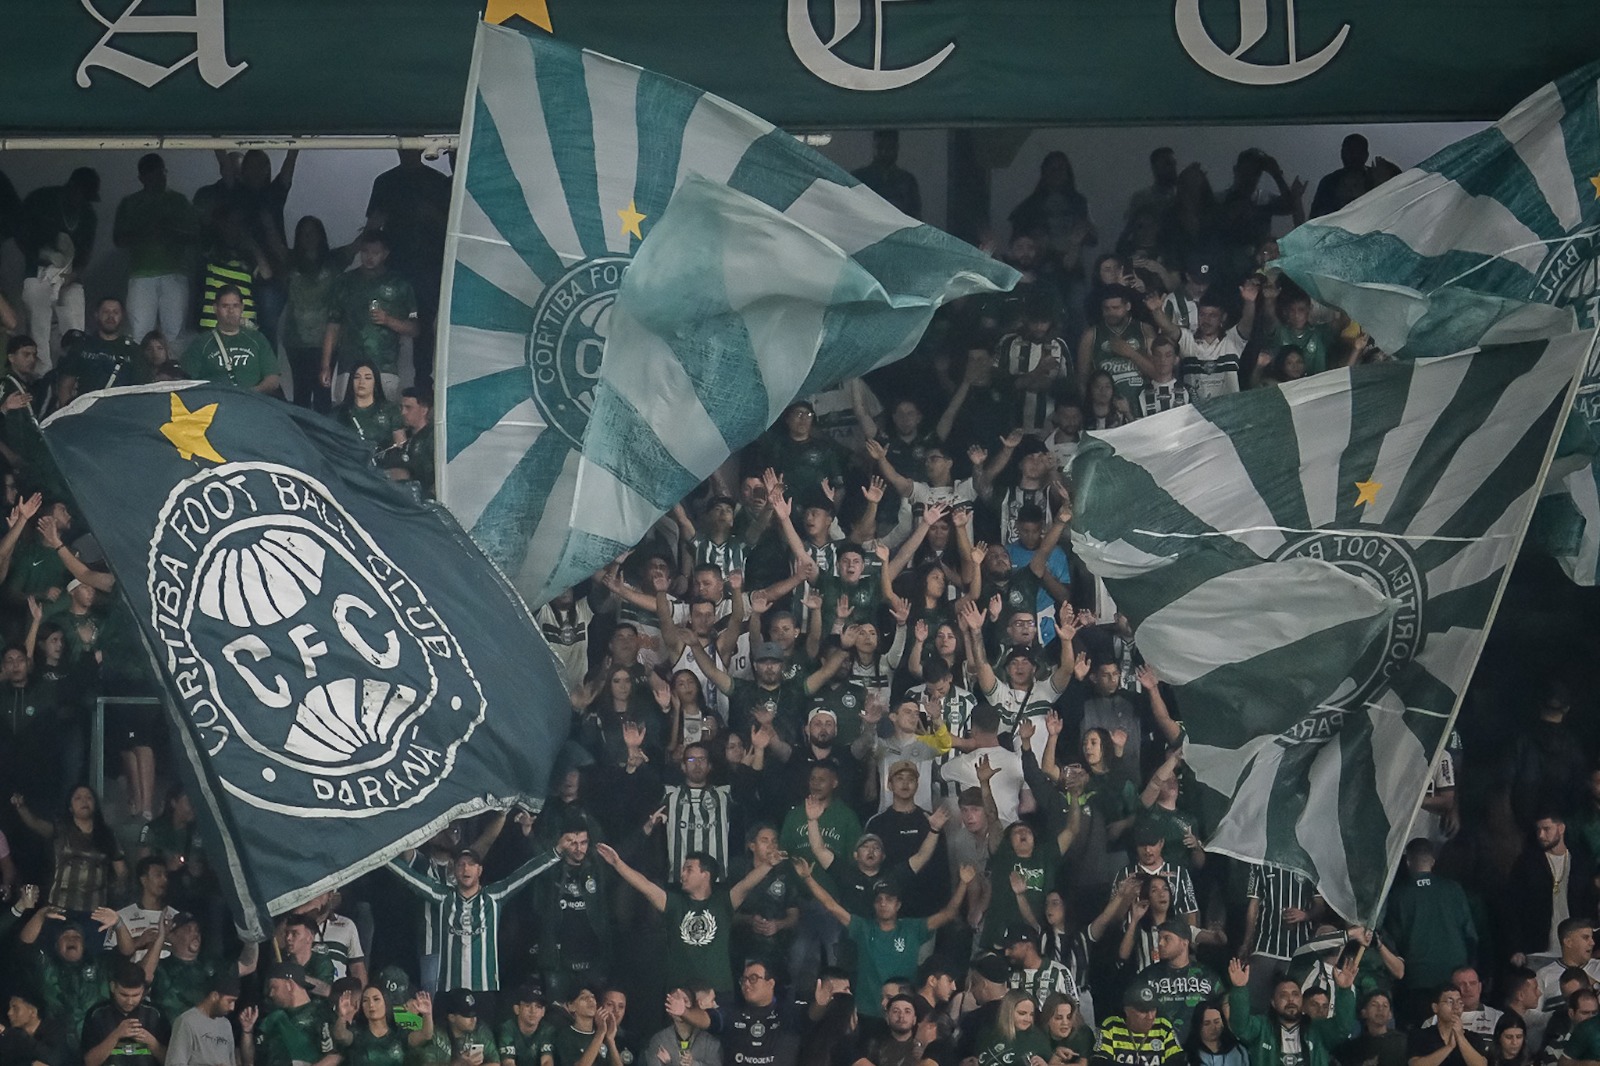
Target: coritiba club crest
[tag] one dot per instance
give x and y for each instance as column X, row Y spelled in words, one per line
column 320, row 681
column 569, row 338
column 1385, row 563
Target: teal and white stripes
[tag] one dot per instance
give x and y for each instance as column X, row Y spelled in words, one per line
column 1491, row 241
column 560, row 445
column 1313, row 568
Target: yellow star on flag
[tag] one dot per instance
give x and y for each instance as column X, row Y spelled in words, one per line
column 535, row 11
column 631, row 219
column 1367, row 492
column 1595, row 181
column 187, row 430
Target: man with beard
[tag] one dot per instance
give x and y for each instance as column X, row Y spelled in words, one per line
column 572, row 903
column 1284, row 1036
column 820, row 746
column 1117, row 344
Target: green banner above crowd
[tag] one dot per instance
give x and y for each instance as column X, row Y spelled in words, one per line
column 282, row 67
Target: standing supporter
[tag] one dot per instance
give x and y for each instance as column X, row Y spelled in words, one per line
column 159, row 229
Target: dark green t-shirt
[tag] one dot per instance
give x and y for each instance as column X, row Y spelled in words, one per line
column 294, row 1035
column 386, row 1050
column 95, row 359
column 360, row 337
column 568, row 1046
column 698, row 935
column 375, row 423
column 1038, row 871
column 528, row 1049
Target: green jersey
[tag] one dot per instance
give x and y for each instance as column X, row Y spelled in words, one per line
column 772, row 898
column 1038, row 872
column 294, row 1035
column 698, row 934
column 883, row 954
column 71, row 990
column 1315, row 342
column 469, row 926
column 481, row 1038
column 376, row 423
column 526, row 1049
column 1124, row 371
column 368, row 1050
column 569, row 1044
column 182, row 983
column 245, row 359
column 354, row 297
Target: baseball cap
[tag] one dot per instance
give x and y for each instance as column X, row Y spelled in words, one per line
column 470, row 853
column 396, row 985
column 286, row 970
column 822, row 709
column 461, row 1002
column 1016, row 934
column 1139, row 994
column 865, row 837
column 530, row 992
column 904, row 766
column 183, row 918
column 994, row 968
column 1177, row 929
column 225, row 982
column 771, row 650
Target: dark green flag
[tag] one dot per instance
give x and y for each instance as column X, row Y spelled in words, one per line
column 346, row 672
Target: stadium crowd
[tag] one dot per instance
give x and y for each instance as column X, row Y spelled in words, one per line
column 862, row 768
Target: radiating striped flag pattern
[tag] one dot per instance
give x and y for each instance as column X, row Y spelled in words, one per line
column 1314, row 567
column 1493, row 240
column 568, row 161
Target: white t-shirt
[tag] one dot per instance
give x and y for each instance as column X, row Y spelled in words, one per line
column 1550, row 981
column 1210, row 368
column 961, row 772
column 137, row 920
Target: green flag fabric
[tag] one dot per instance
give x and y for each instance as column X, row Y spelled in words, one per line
column 1491, row 241
column 344, row 670
column 570, row 169
column 1313, row 568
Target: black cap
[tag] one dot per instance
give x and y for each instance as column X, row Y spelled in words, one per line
column 287, row 970
column 460, row 1002
column 470, row 853
column 1178, row 929
column 993, row 968
column 1016, row 934
column 183, row 918
column 1139, row 994
column 530, row 992
column 225, row 982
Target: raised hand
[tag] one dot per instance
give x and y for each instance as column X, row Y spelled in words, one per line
column 801, row 867
column 1025, row 729
column 939, row 818
column 247, row 1018
column 1147, row 676
column 105, row 918
column 827, row 490
column 762, row 737
column 1238, row 972
column 759, row 604
column 899, row 610
column 968, row 872
column 875, row 489
column 985, row 769
column 1012, row 439
column 736, row 581
column 877, row 452
column 996, row 605
column 979, row 551
column 815, row 808
column 26, row 507
column 933, row 512
column 609, row 854
column 977, row 455
column 1081, row 666
column 919, row 632
column 969, row 616
column 1249, row 289
column 677, row 1003
column 633, row 735
column 1019, row 884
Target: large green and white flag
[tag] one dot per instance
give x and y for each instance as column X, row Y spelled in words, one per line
column 1491, row 241
column 568, row 163
column 1314, row 568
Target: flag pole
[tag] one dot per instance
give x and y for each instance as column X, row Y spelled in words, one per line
column 1370, row 922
